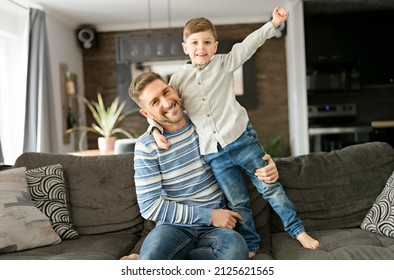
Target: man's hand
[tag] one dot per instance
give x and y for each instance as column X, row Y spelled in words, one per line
column 160, row 139
column 225, row 218
column 269, row 173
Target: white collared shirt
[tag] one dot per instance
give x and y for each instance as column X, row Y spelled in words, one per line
column 208, row 96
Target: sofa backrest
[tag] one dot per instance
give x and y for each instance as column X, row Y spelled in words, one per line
column 335, row 189
column 101, row 190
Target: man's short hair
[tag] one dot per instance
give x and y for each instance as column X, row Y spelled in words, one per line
column 139, row 84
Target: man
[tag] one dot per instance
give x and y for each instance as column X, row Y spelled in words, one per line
column 177, row 189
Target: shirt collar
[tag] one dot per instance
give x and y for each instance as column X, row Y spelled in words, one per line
column 204, row 65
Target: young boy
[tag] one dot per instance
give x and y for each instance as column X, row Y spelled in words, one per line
column 227, row 140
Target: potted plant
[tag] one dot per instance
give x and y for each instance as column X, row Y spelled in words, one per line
column 107, row 121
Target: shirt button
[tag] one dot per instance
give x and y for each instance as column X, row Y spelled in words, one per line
column 214, row 131
column 208, row 115
column 203, row 99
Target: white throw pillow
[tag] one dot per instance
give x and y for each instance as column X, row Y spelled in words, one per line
column 22, row 225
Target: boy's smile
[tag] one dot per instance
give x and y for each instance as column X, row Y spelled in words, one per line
column 200, row 47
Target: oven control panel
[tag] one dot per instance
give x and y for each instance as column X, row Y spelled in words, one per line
column 332, row 110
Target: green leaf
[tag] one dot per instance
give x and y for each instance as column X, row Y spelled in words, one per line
column 273, row 148
column 107, row 119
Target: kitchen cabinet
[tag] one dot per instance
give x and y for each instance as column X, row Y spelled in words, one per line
column 360, row 37
column 349, row 61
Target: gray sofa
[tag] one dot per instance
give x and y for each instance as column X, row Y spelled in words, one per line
column 332, row 193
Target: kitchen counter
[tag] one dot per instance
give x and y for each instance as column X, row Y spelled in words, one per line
column 377, row 124
column 339, row 130
column 383, row 131
column 329, row 138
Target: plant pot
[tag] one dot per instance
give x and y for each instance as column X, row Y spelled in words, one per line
column 106, row 144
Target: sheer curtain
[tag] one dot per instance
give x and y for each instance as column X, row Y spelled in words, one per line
column 14, row 21
column 40, row 133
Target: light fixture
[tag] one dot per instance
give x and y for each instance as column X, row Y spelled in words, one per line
column 151, row 46
column 147, row 51
column 134, row 50
column 160, row 49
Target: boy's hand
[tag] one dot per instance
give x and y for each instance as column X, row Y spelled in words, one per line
column 160, row 139
column 279, row 16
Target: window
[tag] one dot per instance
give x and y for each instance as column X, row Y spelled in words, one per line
column 13, row 69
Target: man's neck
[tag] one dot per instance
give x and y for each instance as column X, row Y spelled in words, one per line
column 174, row 126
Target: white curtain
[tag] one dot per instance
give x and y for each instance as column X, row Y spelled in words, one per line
column 40, row 132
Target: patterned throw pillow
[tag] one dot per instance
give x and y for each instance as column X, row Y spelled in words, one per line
column 48, row 191
column 22, row 225
column 380, row 218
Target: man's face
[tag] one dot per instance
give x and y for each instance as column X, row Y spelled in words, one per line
column 160, row 102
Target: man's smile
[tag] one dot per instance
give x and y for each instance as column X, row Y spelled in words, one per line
column 171, row 110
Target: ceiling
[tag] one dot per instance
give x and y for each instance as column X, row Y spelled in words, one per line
column 115, row 15
column 110, row 15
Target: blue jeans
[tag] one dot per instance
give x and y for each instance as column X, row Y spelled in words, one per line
column 227, row 164
column 178, row 242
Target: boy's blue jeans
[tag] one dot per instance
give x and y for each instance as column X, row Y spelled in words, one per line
column 179, row 242
column 227, row 164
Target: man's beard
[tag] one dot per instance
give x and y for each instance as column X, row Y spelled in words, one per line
column 172, row 119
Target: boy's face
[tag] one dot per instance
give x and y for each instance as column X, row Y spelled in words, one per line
column 160, row 102
column 200, row 47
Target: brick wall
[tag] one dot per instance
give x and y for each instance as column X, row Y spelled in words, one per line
column 269, row 118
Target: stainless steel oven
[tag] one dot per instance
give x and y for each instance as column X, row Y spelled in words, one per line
column 334, row 126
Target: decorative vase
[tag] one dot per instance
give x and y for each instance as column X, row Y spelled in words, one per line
column 106, row 144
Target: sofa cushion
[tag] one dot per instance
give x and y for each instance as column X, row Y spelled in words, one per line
column 380, row 218
column 101, row 190
column 335, row 244
column 48, row 191
column 106, row 246
column 22, row 225
column 335, row 189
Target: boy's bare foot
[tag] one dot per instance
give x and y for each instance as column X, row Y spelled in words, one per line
column 252, row 254
column 130, row 257
column 307, row 241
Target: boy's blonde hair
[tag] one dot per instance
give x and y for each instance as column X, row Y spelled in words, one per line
column 196, row 25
